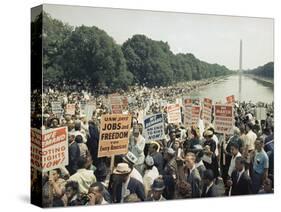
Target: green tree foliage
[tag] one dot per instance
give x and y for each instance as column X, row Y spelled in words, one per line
column 266, row 70
column 153, row 63
column 55, row 33
column 148, row 60
column 89, row 53
column 82, row 53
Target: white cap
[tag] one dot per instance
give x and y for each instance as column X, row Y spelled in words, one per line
column 130, row 157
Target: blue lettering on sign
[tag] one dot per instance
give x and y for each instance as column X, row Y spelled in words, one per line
column 153, row 120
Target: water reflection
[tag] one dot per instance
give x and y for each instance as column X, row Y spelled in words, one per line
column 254, row 90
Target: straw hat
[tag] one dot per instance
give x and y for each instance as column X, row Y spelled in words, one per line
column 156, row 143
column 122, row 168
column 208, row 133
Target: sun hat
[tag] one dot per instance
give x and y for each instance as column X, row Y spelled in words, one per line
column 122, row 168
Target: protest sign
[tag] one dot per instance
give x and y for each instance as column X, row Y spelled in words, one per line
column 56, row 107
column 187, row 112
column 154, row 127
column 230, row 99
column 70, row 109
column 195, row 114
column 260, row 113
column 174, row 113
column 125, row 103
column 179, row 101
column 114, row 134
column 207, row 110
column 116, row 104
column 50, row 149
column 224, row 120
column 89, row 109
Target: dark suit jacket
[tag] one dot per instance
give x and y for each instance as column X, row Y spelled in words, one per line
column 74, row 154
column 134, row 186
column 212, row 192
column 195, row 181
column 93, row 142
column 243, row 187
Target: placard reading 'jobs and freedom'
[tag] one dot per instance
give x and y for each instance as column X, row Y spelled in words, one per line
column 114, row 134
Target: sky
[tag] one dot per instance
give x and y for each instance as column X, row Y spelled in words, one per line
column 211, row 38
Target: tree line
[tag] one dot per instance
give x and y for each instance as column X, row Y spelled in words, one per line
column 89, row 53
column 266, row 70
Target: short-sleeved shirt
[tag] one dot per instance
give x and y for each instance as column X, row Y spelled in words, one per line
column 250, row 140
column 261, row 162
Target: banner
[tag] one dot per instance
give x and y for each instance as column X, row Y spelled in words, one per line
column 224, row 119
column 174, row 113
column 207, row 110
column 230, row 99
column 56, row 107
column 154, row 127
column 116, row 104
column 70, row 109
column 187, row 112
column 50, row 149
column 114, row 134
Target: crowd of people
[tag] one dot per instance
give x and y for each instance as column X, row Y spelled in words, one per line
column 191, row 162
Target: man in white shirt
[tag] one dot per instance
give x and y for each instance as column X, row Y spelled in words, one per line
column 250, row 138
column 234, row 149
column 84, row 177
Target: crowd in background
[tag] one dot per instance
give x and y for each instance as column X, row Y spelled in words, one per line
column 194, row 162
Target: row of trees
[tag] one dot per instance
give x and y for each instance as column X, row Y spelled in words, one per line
column 89, row 53
column 266, row 70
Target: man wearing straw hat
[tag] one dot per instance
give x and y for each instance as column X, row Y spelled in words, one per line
column 127, row 185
